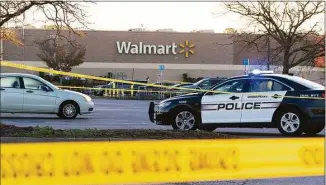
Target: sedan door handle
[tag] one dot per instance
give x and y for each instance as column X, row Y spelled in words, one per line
column 276, row 96
column 30, row 91
column 234, row 97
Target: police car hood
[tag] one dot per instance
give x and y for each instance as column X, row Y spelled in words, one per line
column 185, row 96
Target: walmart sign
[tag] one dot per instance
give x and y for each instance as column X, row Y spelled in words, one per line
column 149, row 49
column 140, row 48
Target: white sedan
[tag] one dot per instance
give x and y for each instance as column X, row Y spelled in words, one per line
column 26, row 93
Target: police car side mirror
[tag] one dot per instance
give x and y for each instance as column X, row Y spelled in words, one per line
column 209, row 93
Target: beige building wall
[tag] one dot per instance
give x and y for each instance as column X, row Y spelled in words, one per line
column 215, row 55
column 176, row 74
column 101, row 47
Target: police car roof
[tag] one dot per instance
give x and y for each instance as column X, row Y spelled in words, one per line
column 264, row 75
column 281, row 77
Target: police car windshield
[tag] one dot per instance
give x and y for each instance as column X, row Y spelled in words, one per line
column 200, row 81
column 307, row 83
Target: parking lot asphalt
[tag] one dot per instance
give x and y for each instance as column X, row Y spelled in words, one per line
column 132, row 114
column 118, row 114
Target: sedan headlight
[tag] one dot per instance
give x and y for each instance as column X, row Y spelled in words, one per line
column 164, row 104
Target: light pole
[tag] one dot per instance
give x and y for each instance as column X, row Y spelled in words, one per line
column 268, row 53
column 23, row 38
column 268, row 42
column 1, row 44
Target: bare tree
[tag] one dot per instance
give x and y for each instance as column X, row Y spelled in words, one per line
column 61, row 57
column 284, row 24
column 58, row 13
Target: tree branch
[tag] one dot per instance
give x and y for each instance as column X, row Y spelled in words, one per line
column 59, row 13
column 283, row 22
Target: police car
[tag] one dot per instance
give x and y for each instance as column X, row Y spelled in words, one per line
column 260, row 99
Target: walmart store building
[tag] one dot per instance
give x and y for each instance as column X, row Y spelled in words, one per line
column 137, row 55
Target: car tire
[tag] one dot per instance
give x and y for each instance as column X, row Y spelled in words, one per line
column 312, row 130
column 184, row 119
column 208, row 129
column 68, row 110
column 290, row 122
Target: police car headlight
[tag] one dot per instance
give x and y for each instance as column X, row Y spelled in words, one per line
column 164, row 104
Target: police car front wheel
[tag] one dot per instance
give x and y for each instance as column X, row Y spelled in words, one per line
column 184, row 119
column 290, row 122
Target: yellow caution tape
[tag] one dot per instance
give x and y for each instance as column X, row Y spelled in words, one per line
column 32, row 68
column 39, row 69
column 127, row 90
column 159, row 161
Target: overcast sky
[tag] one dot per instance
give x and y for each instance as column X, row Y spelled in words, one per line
column 180, row 16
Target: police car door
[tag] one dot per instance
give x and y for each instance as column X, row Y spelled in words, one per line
column 218, row 107
column 262, row 99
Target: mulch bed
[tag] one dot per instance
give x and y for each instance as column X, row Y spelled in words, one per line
column 43, row 132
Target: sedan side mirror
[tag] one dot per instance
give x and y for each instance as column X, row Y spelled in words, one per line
column 45, row 88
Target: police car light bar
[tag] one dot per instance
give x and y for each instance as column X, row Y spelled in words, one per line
column 257, row 72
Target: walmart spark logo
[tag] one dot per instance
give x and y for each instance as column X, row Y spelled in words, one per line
column 187, row 49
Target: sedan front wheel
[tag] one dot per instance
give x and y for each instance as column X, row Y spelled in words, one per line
column 68, row 110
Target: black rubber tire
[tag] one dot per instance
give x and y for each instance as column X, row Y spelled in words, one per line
column 299, row 131
column 61, row 114
column 174, row 126
column 181, row 109
column 312, row 130
column 208, row 129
